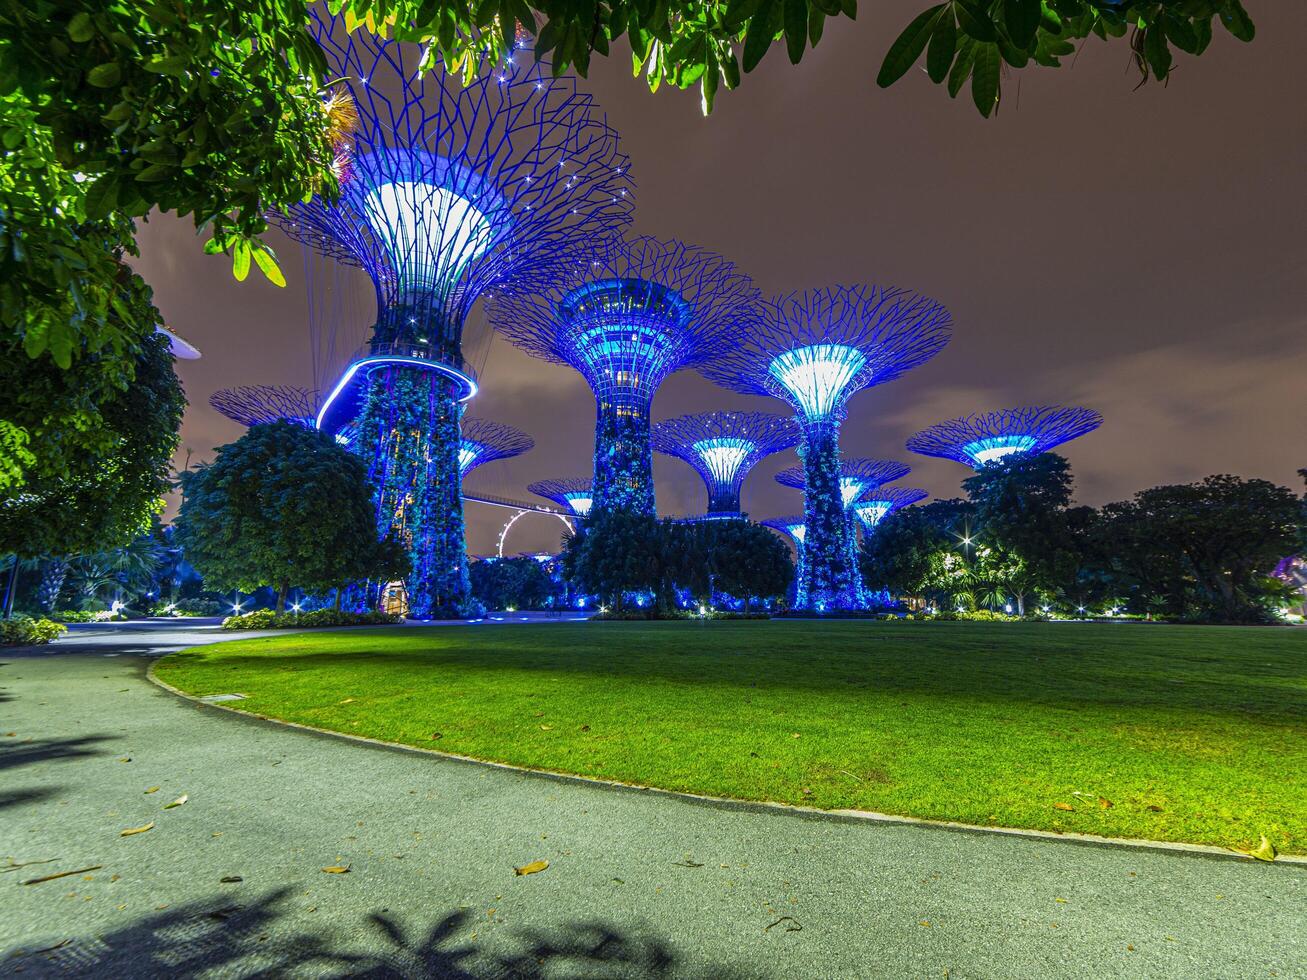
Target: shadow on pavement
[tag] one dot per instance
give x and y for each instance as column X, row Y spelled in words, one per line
column 16, row 797
column 221, row 937
column 51, row 750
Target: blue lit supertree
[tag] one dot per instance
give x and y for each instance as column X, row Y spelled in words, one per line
column 257, row 404
column 573, row 495
column 991, row 436
column 723, row 447
column 793, row 527
column 875, row 505
column 856, row 476
column 447, row 191
column 625, row 321
column 483, row 441
column 815, row 350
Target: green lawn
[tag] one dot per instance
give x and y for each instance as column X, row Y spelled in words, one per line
column 1191, row 733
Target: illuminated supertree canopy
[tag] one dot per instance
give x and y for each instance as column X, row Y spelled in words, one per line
column 814, row 351
column 257, row 404
column 573, row 495
column 856, row 476
column 447, row 191
column 484, row 441
column 625, row 321
column 991, row 436
column 723, row 447
column 877, row 504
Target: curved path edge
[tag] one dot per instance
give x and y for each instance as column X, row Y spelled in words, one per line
column 727, row 803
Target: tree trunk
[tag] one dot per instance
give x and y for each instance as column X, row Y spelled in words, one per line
column 338, row 591
column 282, row 593
column 1021, row 604
column 11, row 587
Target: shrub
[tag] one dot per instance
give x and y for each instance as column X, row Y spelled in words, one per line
column 26, row 631
column 266, row 619
column 198, row 607
column 641, row 615
column 74, row 616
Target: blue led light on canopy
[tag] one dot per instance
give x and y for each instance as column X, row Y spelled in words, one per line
column 573, row 495
column 857, row 476
column 814, row 351
column 626, row 320
column 982, row 439
column 257, row 404
column 723, row 447
column 879, row 503
column 446, row 193
column 483, row 441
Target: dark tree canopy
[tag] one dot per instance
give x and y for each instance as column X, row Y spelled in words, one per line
column 284, row 506
column 747, row 560
column 521, row 583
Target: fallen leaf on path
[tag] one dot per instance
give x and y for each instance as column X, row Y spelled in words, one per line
column 337, row 869
column 10, row 734
column 1265, row 851
column 793, row 925
column 126, row 758
column 177, row 802
column 1064, row 806
column 152, row 789
column 585, row 728
column 1155, row 808
column 687, row 863
column 1060, row 901
column 230, row 880
column 436, row 735
column 546, row 728
column 349, row 701
column 1105, row 803
column 532, row 868
column 137, row 830
column 15, row 865
column 795, row 735
column 61, row 874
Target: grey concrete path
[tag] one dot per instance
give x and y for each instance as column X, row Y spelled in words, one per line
column 638, row 885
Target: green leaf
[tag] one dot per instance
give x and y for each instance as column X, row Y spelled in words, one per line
column 943, row 45
column 816, row 24
column 101, row 197
column 240, row 260
column 267, row 263
column 105, row 76
column 759, row 36
column 796, row 29
column 738, row 13
column 1237, row 21
column 80, row 28
column 1181, row 33
column 907, row 47
column 961, row 66
column 984, row 78
column 174, row 65
column 1021, row 18
column 1156, row 51
column 974, row 21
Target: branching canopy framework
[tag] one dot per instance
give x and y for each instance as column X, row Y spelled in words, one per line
column 876, row 504
column 857, row 476
column 985, row 438
column 574, row 495
column 484, row 441
column 723, row 447
column 258, row 404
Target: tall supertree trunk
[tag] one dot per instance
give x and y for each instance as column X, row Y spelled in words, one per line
column 409, row 434
column 831, row 578
column 623, row 474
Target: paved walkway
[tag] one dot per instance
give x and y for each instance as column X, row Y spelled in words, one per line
column 638, row 885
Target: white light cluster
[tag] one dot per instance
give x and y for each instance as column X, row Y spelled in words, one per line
column 723, row 456
column 817, row 376
column 429, row 233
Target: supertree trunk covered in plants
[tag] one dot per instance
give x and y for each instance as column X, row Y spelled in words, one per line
column 815, row 350
column 447, row 193
column 626, row 320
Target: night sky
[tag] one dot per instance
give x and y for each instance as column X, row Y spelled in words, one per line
column 1141, row 253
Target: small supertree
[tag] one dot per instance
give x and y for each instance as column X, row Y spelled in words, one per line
column 260, row 404
column 723, row 447
column 573, row 495
column 447, row 190
column 985, row 438
column 793, row 527
column 626, row 321
column 857, row 476
column 484, row 441
column 814, row 351
column 877, row 504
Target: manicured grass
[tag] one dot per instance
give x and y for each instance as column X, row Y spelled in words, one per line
column 1192, row 733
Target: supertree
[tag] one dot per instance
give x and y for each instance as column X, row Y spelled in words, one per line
column 875, row 505
column 814, row 350
column 793, row 527
column 985, row 438
column 857, row 476
column 625, row 321
column 723, row 447
column 447, row 191
column 484, row 441
column 256, row 404
column 575, row 495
